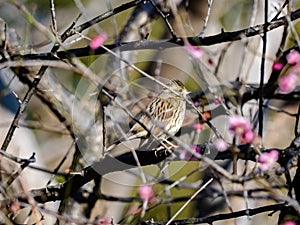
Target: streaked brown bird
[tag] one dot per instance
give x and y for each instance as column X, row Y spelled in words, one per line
column 163, row 117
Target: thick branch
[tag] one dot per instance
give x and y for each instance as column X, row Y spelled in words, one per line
column 106, row 165
column 127, row 161
column 224, row 216
column 167, row 43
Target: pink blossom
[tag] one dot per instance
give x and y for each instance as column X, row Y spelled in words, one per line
column 146, row 192
column 97, row 41
column 242, row 128
column 277, row 66
column 186, row 155
column 198, row 127
column 293, row 57
column 196, row 148
column 290, row 222
column 220, row 144
column 267, row 159
column 67, row 171
column 239, row 124
column 288, row 83
column 195, row 51
column 217, row 101
column 248, row 136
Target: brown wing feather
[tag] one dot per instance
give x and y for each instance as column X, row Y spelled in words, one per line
column 165, row 111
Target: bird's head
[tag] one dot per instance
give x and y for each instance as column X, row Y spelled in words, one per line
column 178, row 86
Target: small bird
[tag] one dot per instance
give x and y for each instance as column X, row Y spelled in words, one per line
column 163, row 117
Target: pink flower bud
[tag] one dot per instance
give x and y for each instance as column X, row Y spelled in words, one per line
column 267, row 159
column 146, row 192
column 184, row 155
column 248, row 136
column 198, row 127
column 220, row 144
column 277, row 66
column 97, row 41
column 238, row 124
column 195, row 51
column 293, row 57
column 288, row 83
column 217, row 101
column 290, row 222
column 241, row 128
column 195, row 148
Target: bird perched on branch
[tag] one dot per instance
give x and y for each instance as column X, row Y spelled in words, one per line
column 163, row 117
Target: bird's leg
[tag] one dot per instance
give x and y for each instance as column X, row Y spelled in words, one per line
column 171, row 144
column 168, row 145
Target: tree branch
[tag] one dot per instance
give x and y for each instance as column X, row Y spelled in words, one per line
column 127, row 161
column 224, row 216
column 163, row 44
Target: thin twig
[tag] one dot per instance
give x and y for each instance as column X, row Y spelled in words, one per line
column 22, row 108
column 53, row 17
column 187, row 202
column 55, row 171
column 210, row 2
column 88, row 24
column 165, row 18
column 225, row 216
column 29, row 17
column 296, row 131
column 280, row 10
